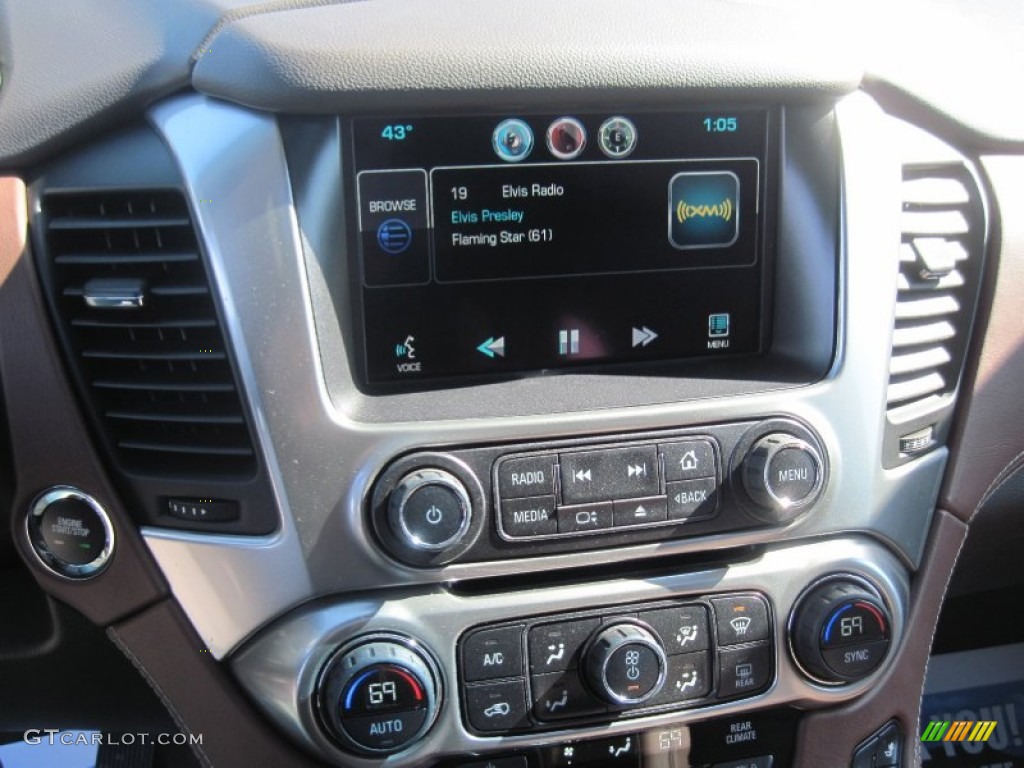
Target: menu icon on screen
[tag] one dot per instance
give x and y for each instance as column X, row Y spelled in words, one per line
column 703, row 209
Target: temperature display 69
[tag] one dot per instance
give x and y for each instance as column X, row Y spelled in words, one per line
column 383, row 688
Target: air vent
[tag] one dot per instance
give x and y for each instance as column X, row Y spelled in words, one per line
column 941, row 253
column 140, row 323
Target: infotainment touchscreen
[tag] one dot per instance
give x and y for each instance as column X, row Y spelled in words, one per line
column 515, row 244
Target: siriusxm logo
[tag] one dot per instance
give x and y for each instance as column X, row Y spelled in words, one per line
column 703, row 210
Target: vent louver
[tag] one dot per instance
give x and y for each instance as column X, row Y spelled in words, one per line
column 140, row 323
column 939, row 273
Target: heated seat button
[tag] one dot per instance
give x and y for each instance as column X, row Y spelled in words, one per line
column 744, row 671
column 556, row 647
column 492, row 653
column 607, row 475
column 689, row 460
column 530, row 476
column 682, row 629
column 497, row 706
column 740, row 619
column 889, row 747
column 561, row 695
column 529, row 517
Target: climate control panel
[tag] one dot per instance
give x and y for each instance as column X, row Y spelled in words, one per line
column 555, row 671
column 524, row 500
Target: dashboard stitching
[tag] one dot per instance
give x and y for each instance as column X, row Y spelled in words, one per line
column 274, row 6
column 931, row 640
column 1007, row 471
column 197, row 748
column 1004, row 474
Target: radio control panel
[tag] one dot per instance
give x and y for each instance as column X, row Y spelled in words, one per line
column 492, row 503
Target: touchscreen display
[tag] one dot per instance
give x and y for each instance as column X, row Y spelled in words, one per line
column 514, row 244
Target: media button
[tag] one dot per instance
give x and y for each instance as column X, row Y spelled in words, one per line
column 529, row 517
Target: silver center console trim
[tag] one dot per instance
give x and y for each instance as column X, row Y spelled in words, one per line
column 323, row 459
column 280, row 668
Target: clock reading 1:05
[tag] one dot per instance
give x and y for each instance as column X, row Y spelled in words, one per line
column 720, row 124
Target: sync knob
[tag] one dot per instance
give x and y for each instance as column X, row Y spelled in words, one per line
column 840, row 631
column 379, row 694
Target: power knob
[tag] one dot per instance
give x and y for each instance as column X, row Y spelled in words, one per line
column 379, row 694
column 429, row 511
column 783, row 475
column 625, row 664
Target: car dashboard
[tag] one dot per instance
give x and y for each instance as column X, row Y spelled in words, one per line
column 539, row 386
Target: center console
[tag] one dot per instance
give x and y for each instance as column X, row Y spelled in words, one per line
column 576, row 462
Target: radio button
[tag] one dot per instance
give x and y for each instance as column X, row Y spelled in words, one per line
column 531, row 476
column 741, row 619
column 689, row 460
column 617, row 473
column 529, row 517
column 690, row 499
column 640, row 511
column 493, row 653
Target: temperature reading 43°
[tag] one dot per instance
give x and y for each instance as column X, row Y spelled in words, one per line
column 396, row 132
